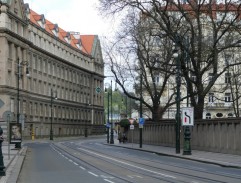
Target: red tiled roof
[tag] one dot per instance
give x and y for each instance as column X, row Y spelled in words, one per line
column 85, row 41
column 210, row 9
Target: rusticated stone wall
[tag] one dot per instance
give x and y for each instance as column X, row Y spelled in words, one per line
column 214, row 135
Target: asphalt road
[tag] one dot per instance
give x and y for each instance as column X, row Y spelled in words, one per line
column 90, row 161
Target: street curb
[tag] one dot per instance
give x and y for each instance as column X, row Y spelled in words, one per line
column 181, row 157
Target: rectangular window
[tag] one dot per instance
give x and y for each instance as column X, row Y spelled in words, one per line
column 12, row 105
column 45, row 110
column 24, row 107
column 43, row 66
column 211, row 97
column 10, row 50
column 31, row 108
column 41, row 110
column 227, row 97
column 210, row 77
column 49, row 68
column 227, row 78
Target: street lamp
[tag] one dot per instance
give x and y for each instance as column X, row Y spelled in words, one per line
column 178, row 81
column 141, row 109
column 111, row 132
column 108, row 113
column 2, row 167
column 51, row 124
column 86, row 120
column 19, row 73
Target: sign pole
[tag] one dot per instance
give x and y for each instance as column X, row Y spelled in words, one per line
column 132, row 137
column 187, row 121
column 187, row 141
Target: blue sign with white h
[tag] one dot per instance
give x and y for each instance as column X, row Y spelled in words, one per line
column 141, row 121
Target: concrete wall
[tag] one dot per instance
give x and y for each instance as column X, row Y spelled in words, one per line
column 214, row 135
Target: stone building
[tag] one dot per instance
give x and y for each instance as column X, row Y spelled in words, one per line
column 66, row 73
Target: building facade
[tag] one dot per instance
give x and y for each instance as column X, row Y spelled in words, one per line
column 66, row 73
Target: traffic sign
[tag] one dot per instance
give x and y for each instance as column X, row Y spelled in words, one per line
column 141, row 121
column 98, row 90
column 131, row 120
column 187, row 116
column 107, row 125
column 132, row 127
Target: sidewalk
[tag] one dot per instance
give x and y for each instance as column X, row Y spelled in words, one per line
column 227, row 160
column 12, row 159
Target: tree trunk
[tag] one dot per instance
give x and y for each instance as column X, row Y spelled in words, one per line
column 198, row 109
column 156, row 113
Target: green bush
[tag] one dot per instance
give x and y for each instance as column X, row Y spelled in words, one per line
column 124, row 123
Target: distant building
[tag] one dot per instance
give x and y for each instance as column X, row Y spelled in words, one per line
column 61, row 63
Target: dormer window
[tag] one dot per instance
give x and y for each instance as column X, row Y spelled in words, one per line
column 56, row 30
column 67, row 38
column 78, row 44
column 42, row 21
column 27, row 10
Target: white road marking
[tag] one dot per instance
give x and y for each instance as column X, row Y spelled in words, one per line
column 76, row 163
column 133, row 176
column 108, row 181
column 93, row 174
column 144, row 169
column 106, row 177
column 82, row 167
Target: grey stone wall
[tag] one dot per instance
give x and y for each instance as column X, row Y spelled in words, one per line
column 214, row 135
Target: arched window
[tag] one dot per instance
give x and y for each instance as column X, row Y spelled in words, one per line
column 219, row 115
column 230, row 115
column 208, row 116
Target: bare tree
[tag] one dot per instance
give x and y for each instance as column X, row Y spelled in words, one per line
column 202, row 29
column 143, row 57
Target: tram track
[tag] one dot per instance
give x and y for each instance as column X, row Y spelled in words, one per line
column 143, row 169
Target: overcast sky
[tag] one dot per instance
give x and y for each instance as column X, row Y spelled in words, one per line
column 74, row 15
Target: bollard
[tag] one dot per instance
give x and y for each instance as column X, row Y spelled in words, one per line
column 32, row 135
column 2, row 167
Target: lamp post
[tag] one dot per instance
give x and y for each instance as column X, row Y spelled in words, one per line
column 111, row 116
column 178, row 117
column 108, row 114
column 86, row 120
column 2, row 167
column 141, row 110
column 187, row 133
column 51, row 122
column 111, row 130
column 19, row 75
